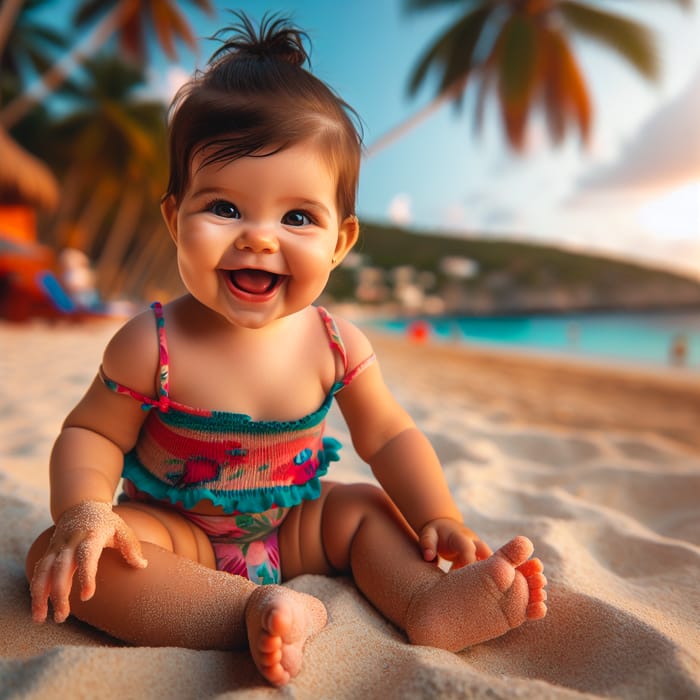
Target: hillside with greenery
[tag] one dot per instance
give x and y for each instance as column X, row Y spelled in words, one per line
column 510, row 276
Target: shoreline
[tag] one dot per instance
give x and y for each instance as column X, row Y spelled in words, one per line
column 665, row 401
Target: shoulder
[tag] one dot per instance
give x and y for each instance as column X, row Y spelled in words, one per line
column 131, row 357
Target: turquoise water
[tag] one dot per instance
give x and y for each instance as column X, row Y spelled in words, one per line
column 639, row 338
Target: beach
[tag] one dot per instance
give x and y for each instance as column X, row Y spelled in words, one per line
column 598, row 466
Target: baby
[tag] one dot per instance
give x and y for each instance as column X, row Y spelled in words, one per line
column 212, row 409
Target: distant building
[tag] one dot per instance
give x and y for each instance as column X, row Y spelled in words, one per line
column 459, row 268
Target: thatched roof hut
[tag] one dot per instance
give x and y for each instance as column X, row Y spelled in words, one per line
column 24, row 179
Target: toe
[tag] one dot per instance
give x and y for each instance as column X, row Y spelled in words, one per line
column 531, row 566
column 269, row 644
column 536, row 611
column 538, row 595
column 278, row 622
column 276, row 675
column 517, row 551
column 536, row 581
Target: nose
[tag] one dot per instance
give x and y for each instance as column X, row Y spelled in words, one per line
column 257, row 239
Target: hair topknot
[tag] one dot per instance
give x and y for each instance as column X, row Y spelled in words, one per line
column 276, row 38
column 256, row 98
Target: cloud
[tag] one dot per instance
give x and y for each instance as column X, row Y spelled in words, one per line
column 664, row 153
column 163, row 86
column 399, row 210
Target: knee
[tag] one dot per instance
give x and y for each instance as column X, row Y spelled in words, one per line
column 353, row 502
column 348, row 509
column 146, row 526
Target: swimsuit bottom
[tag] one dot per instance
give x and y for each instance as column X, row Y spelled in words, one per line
column 244, row 544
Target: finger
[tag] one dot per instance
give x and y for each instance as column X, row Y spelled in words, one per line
column 483, row 551
column 87, row 556
column 130, row 548
column 429, row 543
column 39, row 588
column 61, row 584
column 460, row 550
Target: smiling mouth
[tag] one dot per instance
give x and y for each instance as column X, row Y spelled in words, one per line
column 255, row 282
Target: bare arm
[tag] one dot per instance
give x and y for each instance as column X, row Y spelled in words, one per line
column 86, row 465
column 400, row 456
column 404, row 462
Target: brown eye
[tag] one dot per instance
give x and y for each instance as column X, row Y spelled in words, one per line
column 224, row 209
column 296, row 218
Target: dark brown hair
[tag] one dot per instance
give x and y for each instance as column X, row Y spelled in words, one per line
column 255, row 98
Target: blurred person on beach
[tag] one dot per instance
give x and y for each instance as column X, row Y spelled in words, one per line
column 221, row 506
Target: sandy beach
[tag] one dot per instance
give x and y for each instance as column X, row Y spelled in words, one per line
column 599, row 467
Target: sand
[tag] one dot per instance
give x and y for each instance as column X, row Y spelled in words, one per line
column 599, row 467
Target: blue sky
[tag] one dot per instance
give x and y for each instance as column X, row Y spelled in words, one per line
column 634, row 193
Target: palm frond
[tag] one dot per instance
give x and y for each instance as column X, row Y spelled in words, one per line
column 417, row 5
column 452, row 51
column 631, row 40
column 170, row 25
column 519, row 71
column 566, row 96
column 89, row 10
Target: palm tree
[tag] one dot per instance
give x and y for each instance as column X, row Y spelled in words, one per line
column 131, row 21
column 522, row 50
column 111, row 149
column 32, row 43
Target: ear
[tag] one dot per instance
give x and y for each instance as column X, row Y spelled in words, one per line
column 348, row 234
column 168, row 208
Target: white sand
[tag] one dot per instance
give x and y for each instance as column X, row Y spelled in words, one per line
column 601, row 470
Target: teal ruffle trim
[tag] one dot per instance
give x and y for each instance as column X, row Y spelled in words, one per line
column 249, row 501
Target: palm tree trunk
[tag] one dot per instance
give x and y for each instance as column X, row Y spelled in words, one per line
column 8, row 13
column 117, row 242
column 94, row 213
column 143, row 269
column 61, row 232
column 57, row 74
column 414, row 120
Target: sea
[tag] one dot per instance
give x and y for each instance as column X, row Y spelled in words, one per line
column 653, row 339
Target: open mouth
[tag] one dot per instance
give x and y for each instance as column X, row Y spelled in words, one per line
column 254, row 282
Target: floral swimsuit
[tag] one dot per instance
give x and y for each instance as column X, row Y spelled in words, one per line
column 254, row 470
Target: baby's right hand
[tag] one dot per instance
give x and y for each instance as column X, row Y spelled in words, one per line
column 81, row 534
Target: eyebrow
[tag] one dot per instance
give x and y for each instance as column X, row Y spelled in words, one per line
column 207, row 191
column 312, row 204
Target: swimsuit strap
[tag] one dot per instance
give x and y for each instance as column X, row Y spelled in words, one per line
column 163, row 358
column 336, row 343
column 147, row 402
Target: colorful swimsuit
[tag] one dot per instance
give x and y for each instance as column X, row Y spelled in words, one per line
column 254, row 470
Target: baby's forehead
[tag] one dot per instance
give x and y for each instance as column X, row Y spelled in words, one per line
column 217, row 153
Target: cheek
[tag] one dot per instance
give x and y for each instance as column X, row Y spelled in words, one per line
column 201, row 246
column 310, row 263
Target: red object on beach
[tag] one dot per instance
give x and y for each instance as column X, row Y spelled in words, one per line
column 419, row 331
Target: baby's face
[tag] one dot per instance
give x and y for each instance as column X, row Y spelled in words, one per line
column 256, row 236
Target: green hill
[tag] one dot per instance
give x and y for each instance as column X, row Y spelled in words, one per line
column 509, row 276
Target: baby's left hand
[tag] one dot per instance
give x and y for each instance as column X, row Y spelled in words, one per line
column 453, row 541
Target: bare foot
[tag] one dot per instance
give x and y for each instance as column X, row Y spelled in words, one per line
column 480, row 601
column 279, row 622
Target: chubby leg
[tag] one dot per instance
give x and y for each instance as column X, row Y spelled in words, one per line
column 362, row 533
column 156, row 606
column 180, row 600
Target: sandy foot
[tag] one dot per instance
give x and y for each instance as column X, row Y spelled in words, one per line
column 481, row 601
column 279, row 622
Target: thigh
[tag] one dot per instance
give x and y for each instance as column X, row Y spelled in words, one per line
column 169, row 529
column 316, row 536
column 300, row 541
